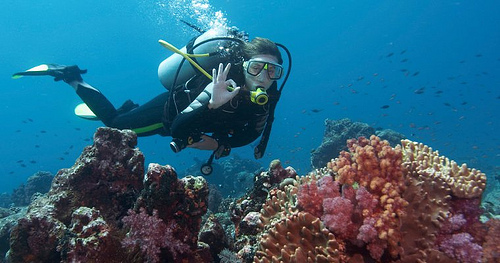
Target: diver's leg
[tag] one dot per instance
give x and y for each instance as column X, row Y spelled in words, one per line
column 146, row 119
column 96, row 101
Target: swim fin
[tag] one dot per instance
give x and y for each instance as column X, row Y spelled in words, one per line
column 83, row 111
column 60, row 72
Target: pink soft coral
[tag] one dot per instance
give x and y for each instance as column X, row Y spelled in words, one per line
column 151, row 234
column 311, row 195
column 337, row 216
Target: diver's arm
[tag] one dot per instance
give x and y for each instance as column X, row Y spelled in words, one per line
column 190, row 121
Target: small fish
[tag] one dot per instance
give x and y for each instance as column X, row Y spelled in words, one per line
column 360, row 78
column 447, row 104
column 316, row 110
column 416, row 73
column 402, row 52
column 403, row 70
column 385, row 107
column 478, row 55
column 439, row 92
column 389, row 55
column 419, row 91
column 404, row 60
column 33, row 161
column 43, row 131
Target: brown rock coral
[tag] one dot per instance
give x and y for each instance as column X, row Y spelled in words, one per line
column 422, row 160
column 300, row 237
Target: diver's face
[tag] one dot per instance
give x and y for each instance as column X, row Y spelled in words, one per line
column 262, row 79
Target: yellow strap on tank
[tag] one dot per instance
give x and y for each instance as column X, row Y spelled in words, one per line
column 186, row 56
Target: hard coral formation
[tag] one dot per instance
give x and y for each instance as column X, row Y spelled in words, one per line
column 84, row 216
column 462, row 181
column 300, row 237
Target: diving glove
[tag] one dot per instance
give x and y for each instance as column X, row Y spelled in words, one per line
column 59, row 72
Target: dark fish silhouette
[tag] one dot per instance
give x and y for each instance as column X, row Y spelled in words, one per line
column 385, row 107
column 389, row 55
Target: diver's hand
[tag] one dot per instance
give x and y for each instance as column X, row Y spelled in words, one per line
column 220, row 92
column 206, row 143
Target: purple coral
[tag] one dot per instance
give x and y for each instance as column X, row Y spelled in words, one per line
column 151, row 234
column 461, row 247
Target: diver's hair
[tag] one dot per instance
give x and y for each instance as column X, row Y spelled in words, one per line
column 261, row 46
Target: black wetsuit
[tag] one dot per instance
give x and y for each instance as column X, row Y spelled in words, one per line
column 234, row 124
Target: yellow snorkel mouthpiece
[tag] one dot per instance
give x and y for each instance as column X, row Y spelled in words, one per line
column 259, row 96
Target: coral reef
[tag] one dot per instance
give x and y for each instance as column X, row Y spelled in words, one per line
column 103, row 209
column 372, row 203
column 21, row 196
column 232, row 175
column 337, row 132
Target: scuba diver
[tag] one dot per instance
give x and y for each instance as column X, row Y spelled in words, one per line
column 232, row 107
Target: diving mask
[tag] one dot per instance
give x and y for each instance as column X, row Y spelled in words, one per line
column 255, row 67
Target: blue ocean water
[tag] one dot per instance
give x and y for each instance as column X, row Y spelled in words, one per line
column 427, row 69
